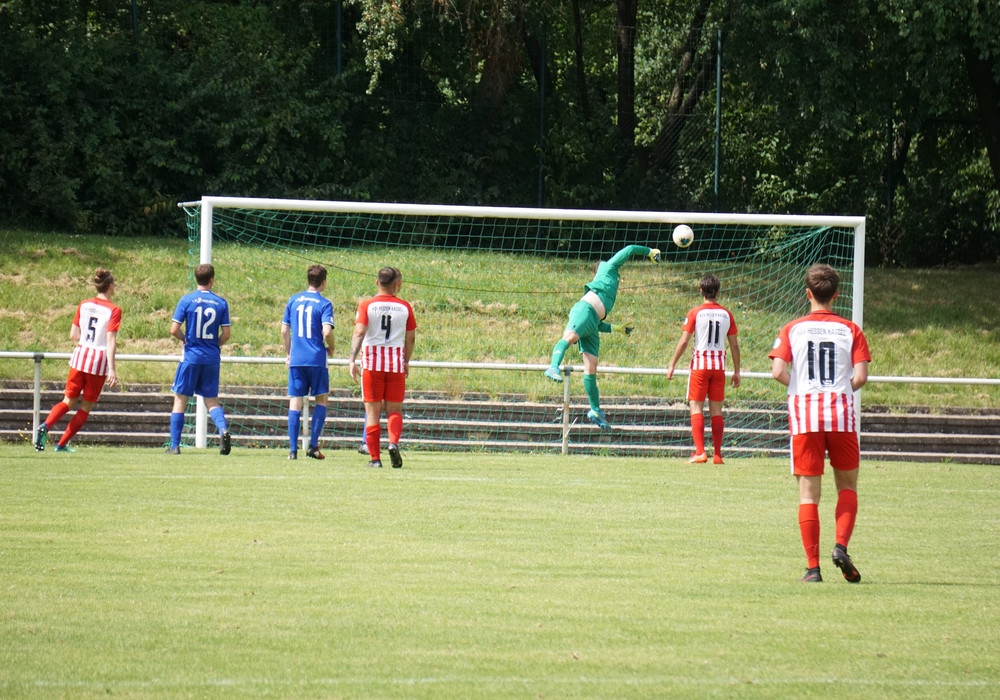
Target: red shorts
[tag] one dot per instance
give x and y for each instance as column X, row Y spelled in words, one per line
column 377, row 385
column 90, row 385
column 707, row 382
column 809, row 449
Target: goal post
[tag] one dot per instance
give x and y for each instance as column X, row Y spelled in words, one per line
column 492, row 287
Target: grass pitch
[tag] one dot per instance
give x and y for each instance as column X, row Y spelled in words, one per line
column 127, row 572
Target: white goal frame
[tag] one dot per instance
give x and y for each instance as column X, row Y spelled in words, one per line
column 208, row 204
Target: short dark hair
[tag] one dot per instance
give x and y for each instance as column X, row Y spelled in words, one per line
column 316, row 274
column 204, row 273
column 103, row 279
column 387, row 276
column 710, row 286
column 823, row 281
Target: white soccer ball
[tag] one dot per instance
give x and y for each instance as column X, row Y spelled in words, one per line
column 683, row 236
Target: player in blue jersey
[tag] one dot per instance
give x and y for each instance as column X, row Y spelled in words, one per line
column 586, row 323
column 201, row 322
column 307, row 333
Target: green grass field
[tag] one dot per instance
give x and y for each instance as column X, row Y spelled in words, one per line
column 127, row 573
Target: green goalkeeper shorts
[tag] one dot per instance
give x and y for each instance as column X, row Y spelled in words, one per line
column 584, row 322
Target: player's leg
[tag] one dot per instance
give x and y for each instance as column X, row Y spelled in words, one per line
column 296, row 396
column 373, row 394
column 559, row 353
column 590, row 347
column 845, row 457
column 183, row 388
column 208, row 389
column 697, row 393
column 74, row 388
column 395, row 390
column 319, row 381
column 808, row 451
column 92, row 386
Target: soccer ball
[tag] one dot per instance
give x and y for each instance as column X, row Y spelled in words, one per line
column 683, row 236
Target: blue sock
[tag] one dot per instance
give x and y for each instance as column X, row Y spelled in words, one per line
column 219, row 418
column 176, row 428
column 294, row 426
column 318, row 419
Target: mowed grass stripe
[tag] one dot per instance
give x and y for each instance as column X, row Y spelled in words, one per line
column 483, row 575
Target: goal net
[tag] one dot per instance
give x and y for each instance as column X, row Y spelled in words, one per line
column 491, row 289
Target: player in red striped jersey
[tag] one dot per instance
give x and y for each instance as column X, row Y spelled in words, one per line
column 384, row 334
column 92, row 364
column 711, row 326
column 823, row 360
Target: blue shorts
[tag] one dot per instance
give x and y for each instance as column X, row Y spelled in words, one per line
column 308, row 381
column 192, row 379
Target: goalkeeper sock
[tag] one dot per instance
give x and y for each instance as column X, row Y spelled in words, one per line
column 559, row 352
column 698, row 432
column 294, row 426
column 373, row 438
column 593, row 395
column 809, row 529
column 846, row 513
column 318, row 419
column 395, row 424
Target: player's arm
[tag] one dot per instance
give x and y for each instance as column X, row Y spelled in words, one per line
column 734, row 351
column 74, row 333
column 177, row 330
column 779, row 370
column 623, row 255
column 678, row 351
column 286, row 340
column 109, row 353
column 860, row 377
column 356, row 340
column 328, row 338
column 408, row 342
column 223, row 335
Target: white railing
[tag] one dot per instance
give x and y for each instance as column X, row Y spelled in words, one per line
column 201, row 416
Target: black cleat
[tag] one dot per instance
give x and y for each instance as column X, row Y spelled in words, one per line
column 376, row 463
column 227, row 444
column 363, row 448
column 173, row 450
column 394, row 456
column 293, row 455
column 842, row 560
column 812, row 576
column 41, row 436
column 314, row 453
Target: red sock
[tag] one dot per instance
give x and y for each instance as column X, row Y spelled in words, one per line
column 57, row 412
column 395, row 423
column 718, row 425
column 74, row 426
column 809, row 528
column 698, row 432
column 847, row 513
column 373, row 438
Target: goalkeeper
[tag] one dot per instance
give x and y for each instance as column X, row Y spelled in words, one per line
column 586, row 323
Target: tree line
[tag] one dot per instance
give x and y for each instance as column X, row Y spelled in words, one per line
column 112, row 112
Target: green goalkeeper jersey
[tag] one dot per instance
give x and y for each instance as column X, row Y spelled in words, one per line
column 605, row 282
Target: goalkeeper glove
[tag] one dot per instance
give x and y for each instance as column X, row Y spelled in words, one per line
column 654, row 255
column 621, row 328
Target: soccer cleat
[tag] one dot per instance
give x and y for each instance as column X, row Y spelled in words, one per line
column 376, row 463
column 41, row 436
column 698, row 459
column 394, row 457
column 842, row 560
column 812, row 576
column 596, row 416
column 293, row 455
column 717, row 459
column 554, row 374
column 314, row 453
column 363, row 448
column 173, row 450
column 67, row 448
column 227, row 443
